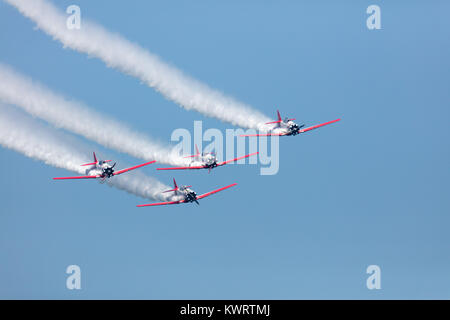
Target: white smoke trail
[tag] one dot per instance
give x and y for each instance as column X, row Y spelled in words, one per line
column 130, row 58
column 41, row 102
column 24, row 135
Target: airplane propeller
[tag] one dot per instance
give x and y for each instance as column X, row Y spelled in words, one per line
column 109, row 171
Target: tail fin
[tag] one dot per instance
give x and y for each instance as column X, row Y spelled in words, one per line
column 175, row 184
column 92, row 163
column 197, row 153
column 279, row 119
column 175, row 189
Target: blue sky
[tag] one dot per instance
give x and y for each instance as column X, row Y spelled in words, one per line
column 372, row 189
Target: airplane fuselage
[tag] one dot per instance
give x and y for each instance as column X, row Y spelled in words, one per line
column 288, row 128
column 190, row 195
column 208, row 161
column 106, row 170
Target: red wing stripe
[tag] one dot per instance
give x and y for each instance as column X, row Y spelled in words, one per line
column 181, row 168
column 88, row 164
column 318, row 125
column 262, row 135
column 236, row 159
column 132, row 168
column 215, row 191
column 79, row 177
column 160, row 203
column 274, row 122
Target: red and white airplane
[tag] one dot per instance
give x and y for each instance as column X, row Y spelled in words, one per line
column 104, row 170
column 206, row 161
column 287, row 127
column 187, row 195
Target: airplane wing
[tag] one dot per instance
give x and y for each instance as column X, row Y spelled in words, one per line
column 318, row 126
column 160, row 203
column 236, row 159
column 133, row 168
column 181, row 168
column 262, row 135
column 215, row 191
column 79, row 177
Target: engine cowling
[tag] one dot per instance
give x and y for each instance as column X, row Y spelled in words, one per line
column 108, row 172
column 294, row 128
